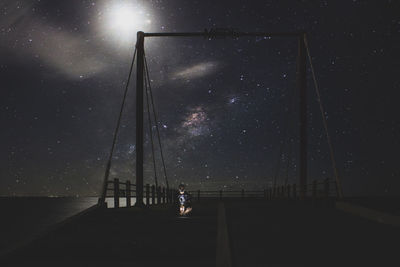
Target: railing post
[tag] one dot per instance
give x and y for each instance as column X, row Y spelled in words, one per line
column 283, row 191
column 158, row 195
column 147, row 194
column 128, row 193
column 294, row 191
column 220, row 194
column 153, row 195
column 314, row 190
column 265, row 193
column 163, row 195
column 198, row 195
column 270, row 193
column 288, row 191
column 242, row 193
column 116, row 193
column 167, row 194
column 326, row 188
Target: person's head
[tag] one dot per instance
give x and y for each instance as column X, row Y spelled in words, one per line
column 181, row 187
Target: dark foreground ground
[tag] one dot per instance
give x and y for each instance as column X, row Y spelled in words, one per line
column 259, row 233
column 23, row 218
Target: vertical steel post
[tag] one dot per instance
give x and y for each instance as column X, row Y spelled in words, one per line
column 128, row 193
column 147, row 194
column 153, row 195
column 294, row 191
column 163, row 195
column 158, row 195
column 116, row 193
column 139, row 118
column 314, row 190
column 167, row 194
column 198, row 195
column 326, row 188
column 302, row 85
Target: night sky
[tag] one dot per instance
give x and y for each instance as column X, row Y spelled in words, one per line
column 225, row 106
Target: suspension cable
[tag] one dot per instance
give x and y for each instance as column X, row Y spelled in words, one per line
column 115, row 135
column 155, row 120
column 151, row 133
column 338, row 182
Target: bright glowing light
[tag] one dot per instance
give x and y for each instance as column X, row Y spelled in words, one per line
column 123, row 20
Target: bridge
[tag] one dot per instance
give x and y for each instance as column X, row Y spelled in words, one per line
column 226, row 228
column 144, row 91
column 301, row 224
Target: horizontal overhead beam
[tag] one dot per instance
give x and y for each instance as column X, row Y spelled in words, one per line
column 222, row 33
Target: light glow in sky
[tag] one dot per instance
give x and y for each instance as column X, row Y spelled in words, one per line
column 122, row 20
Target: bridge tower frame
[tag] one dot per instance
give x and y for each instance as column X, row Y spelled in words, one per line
column 301, row 78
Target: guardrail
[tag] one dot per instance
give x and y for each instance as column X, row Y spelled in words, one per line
column 153, row 195
column 161, row 195
column 315, row 190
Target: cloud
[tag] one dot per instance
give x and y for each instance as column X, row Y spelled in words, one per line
column 67, row 53
column 197, row 71
column 14, row 12
column 72, row 54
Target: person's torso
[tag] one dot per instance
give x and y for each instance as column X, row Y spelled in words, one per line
column 183, row 198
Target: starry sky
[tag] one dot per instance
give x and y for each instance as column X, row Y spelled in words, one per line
column 227, row 108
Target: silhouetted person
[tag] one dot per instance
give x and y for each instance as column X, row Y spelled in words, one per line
column 184, row 200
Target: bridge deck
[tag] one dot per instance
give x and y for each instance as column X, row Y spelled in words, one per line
column 295, row 234
column 261, row 233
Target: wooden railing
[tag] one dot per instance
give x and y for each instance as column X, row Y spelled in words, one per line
column 161, row 195
column 316, row 190
column 118, row 192
column 153, row 195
